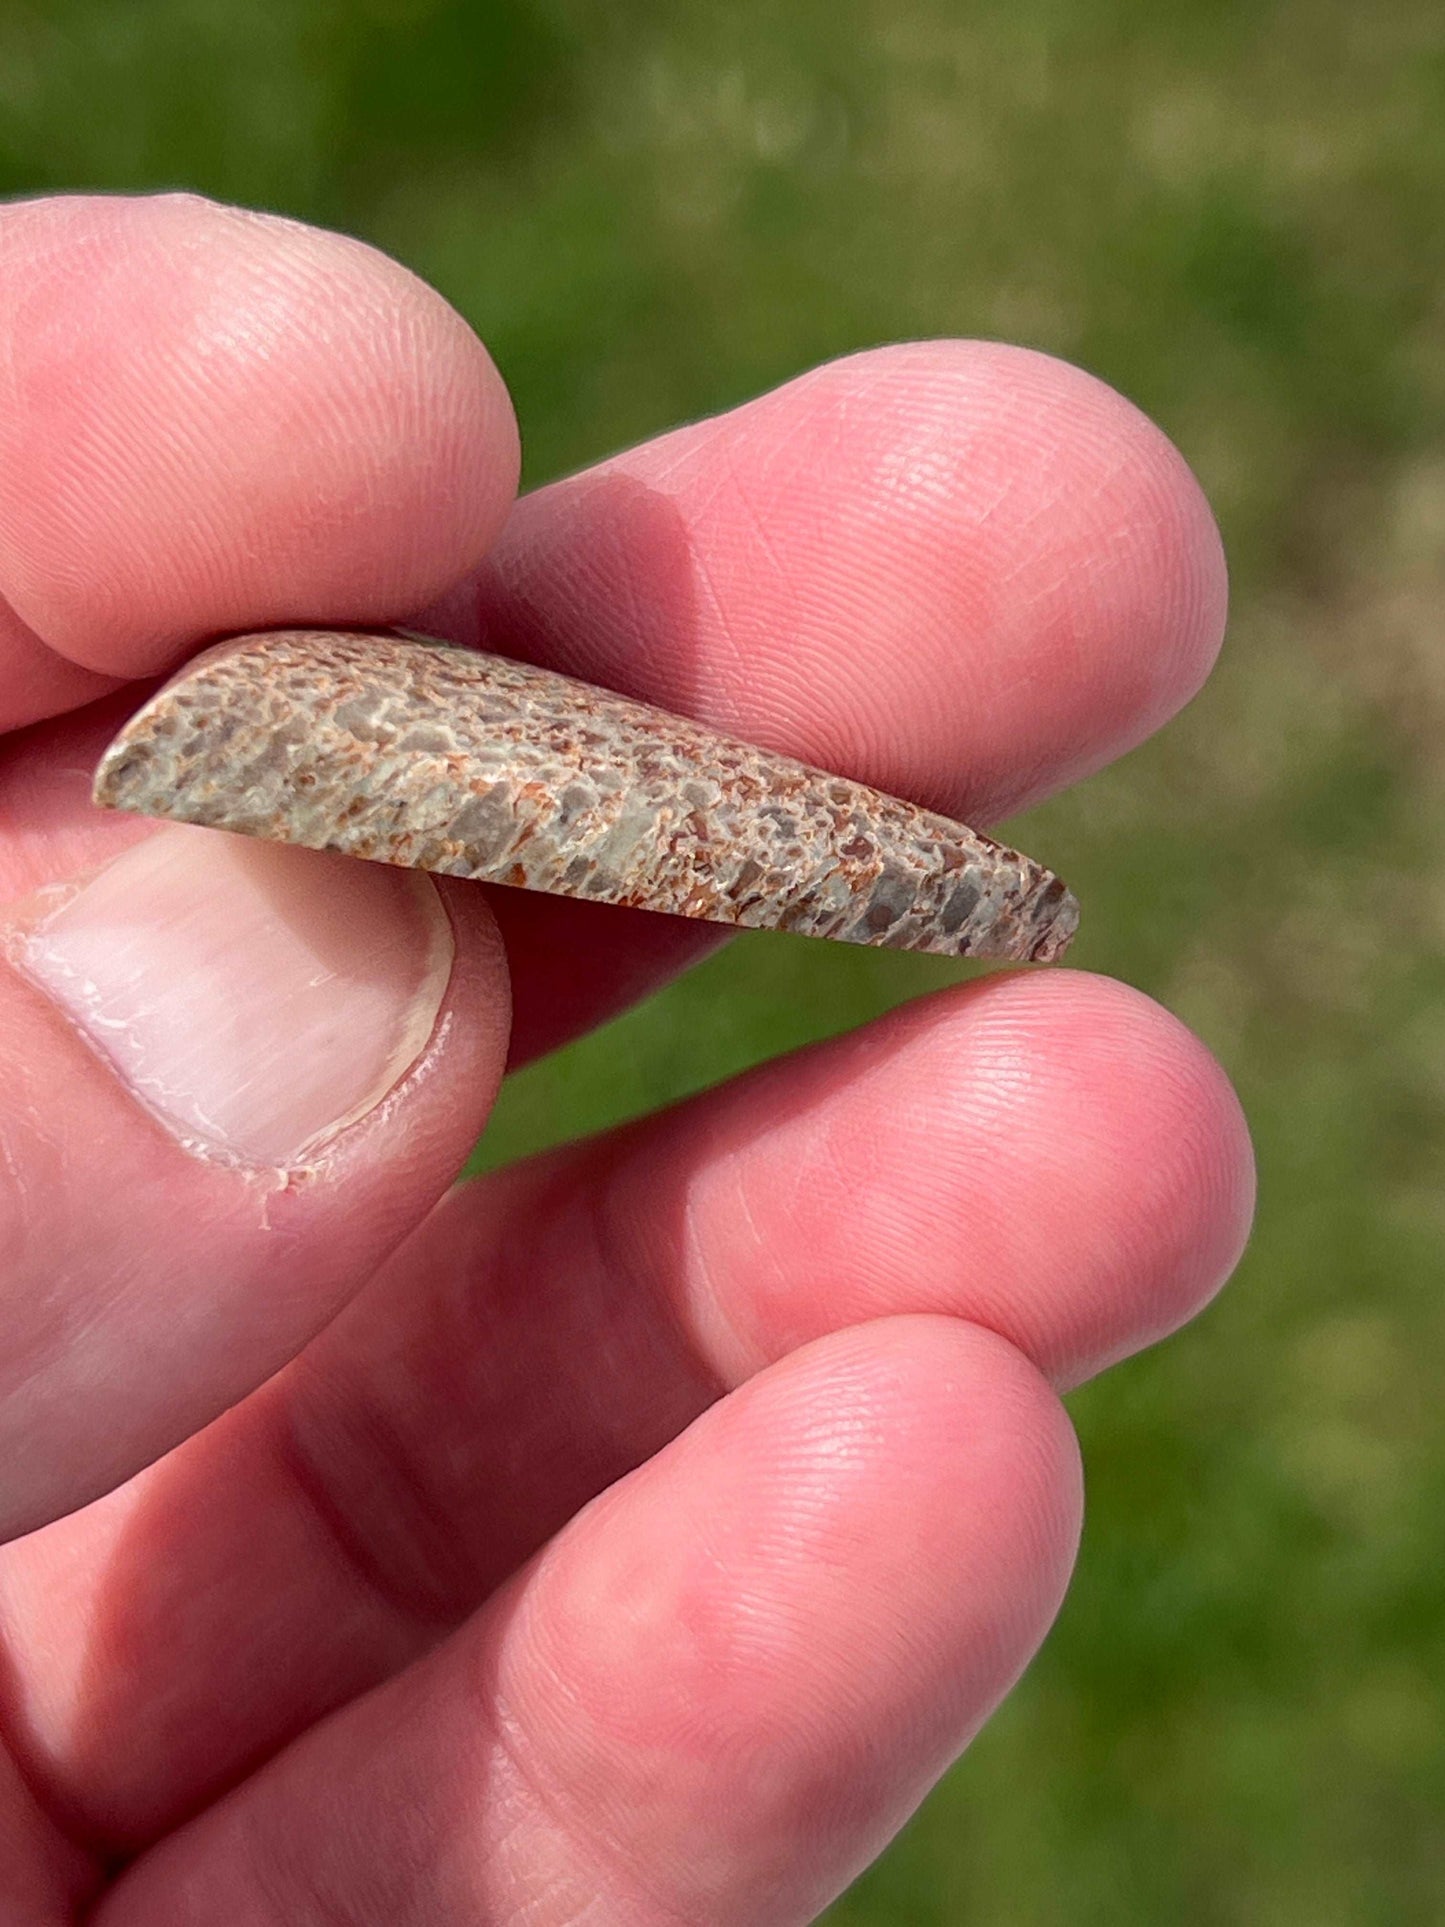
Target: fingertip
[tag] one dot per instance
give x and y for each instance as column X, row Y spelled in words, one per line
column 1050, row 1154
column 221, row 419
column 887, row 1451
column 1147, row 544
column 1083, row 546
column 965, row 572
column 970, row 1405
column 1143, row 1132
column 774, row 1637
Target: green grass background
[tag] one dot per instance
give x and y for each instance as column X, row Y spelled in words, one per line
column 1233, row 211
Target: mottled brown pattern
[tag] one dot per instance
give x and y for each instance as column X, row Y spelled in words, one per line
column 409, row 751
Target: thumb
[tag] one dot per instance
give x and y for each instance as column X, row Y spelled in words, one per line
column 232, row 1077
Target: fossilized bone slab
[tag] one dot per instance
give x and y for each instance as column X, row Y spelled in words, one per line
column 404, row 750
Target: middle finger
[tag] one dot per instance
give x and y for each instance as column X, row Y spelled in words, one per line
column 966, row 573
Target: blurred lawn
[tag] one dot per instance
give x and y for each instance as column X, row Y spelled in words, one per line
column 1232, row 211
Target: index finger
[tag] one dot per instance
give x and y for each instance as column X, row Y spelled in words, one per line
column 212, row 419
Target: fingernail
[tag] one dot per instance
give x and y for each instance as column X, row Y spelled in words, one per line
column 257, row 999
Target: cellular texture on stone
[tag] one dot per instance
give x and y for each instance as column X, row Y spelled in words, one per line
column 403, row 750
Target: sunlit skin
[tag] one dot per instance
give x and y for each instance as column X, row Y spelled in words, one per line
column 634, row 1536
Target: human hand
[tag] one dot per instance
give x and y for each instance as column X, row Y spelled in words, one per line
column 635, row 1535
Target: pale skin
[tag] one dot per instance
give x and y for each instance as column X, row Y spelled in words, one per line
column 633, row 1537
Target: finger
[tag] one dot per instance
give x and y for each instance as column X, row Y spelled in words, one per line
column 967, row 573
column 628, row 954
column 34, row 681
column 1053, row 1157
column 232, row 1076
column 214, row 420
column 50, row 828
column 715, row 1698
column 44, row 1877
